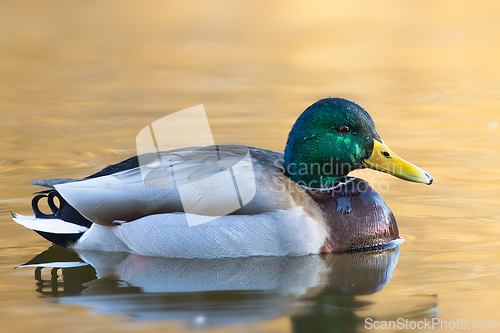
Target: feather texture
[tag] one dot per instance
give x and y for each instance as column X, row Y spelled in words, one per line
column 281, row 233
column 191, row 173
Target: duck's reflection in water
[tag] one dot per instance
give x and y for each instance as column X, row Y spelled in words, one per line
column 313, row 290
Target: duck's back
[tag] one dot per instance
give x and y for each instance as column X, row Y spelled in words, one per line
column 212, row 181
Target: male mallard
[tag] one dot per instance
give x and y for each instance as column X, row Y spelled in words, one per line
column 296, row 203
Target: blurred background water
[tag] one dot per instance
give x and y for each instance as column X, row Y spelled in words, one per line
column 79, row 80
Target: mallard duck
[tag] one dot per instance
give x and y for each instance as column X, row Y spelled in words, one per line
column 297, row 203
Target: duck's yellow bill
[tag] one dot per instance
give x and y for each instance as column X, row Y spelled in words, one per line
column 383, row 159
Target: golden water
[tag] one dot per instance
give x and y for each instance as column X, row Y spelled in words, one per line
column 79, row 80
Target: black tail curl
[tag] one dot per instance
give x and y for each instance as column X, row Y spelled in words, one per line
column 64, row 212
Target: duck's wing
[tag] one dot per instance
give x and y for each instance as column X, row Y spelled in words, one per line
column 211, row 181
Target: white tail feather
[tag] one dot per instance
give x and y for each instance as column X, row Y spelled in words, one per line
column 57, row 264
column 54, row 226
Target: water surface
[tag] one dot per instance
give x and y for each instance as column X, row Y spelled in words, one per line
column 78, row 81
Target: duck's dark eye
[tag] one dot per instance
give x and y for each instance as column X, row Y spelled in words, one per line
column 344, row 129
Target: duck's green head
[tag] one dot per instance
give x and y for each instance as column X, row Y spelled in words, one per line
column 334, row 136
